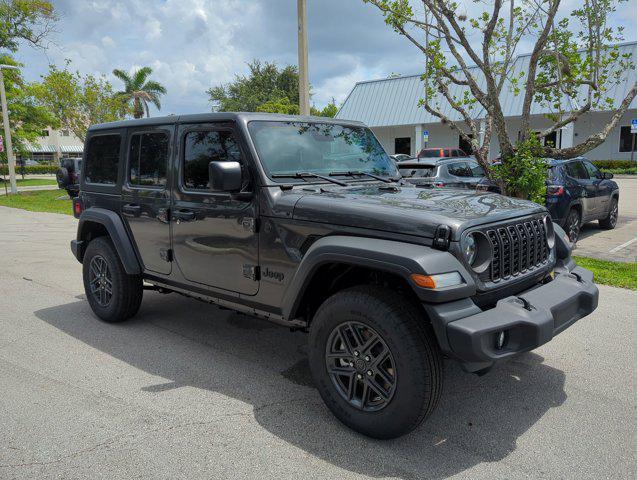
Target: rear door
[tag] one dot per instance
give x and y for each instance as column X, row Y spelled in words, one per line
column 214, row 234
column 584, row 186
column 146, row 195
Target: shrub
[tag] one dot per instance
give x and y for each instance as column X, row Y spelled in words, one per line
column 30, row 169
column 608, row 164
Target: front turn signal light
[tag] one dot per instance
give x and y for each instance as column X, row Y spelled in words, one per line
column 440, row 280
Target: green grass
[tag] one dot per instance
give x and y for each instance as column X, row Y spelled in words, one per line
column 30, row 182
column 615, row 274
column 53, row 201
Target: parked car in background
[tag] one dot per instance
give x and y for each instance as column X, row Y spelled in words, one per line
column 68, row 175
column 442, row 153
column 577, row 192
column 434, row 172
column 400, row 157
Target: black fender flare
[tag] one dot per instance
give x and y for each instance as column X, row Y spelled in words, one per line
column 400, row 258
column 117, row 232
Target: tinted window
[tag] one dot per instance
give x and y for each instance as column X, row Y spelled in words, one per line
column 430, row 153
column 592, row 170
column 476, row 170
column 148, row 157
column 102, row 159
column 460, row 169
column 576, row 170
column 203, row 147
column 418, row 170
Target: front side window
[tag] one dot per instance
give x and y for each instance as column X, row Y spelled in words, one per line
column 202, row 147
column 321, row 148
column 102, row 159
column 476, row 170
column 592, row 170
column 576, row 170
column 148, row 159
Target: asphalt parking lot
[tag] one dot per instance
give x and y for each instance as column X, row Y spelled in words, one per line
column 186, row 390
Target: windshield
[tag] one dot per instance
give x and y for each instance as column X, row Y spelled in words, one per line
column 320, row 148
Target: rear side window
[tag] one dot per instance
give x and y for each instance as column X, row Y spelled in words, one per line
column 102, row 159
column 148, row 157
column 409, row 171
column 576, row 170
column 476, row 170
column 203, row 147
column 460, row 169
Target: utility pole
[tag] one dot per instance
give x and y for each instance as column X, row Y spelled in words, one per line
column 304, row 85
column 7, row 129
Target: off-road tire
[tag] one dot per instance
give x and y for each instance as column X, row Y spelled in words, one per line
column 402, row 325
column 610, row 221
column 127, row 290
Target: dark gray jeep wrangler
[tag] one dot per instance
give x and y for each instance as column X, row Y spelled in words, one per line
column 306, row 222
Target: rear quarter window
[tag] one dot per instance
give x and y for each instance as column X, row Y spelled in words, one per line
column 102, row 159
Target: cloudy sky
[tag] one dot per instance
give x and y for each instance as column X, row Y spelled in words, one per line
column 195, row 44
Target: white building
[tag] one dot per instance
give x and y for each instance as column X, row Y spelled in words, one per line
column 53, row 145
column 391, row 108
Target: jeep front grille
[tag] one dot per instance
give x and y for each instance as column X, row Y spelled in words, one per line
column 517, row 248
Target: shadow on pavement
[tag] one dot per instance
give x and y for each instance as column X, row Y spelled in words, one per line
column 192, row 344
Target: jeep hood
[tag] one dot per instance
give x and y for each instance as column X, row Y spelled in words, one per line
column 409, row 210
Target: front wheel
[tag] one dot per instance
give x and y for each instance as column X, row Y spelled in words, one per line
column 114, row 296
column 375, row 361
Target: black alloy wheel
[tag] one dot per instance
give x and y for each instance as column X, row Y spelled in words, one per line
column 361, row 366
column 573, row 225
column 100, row 280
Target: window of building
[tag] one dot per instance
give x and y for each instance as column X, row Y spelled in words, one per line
column 66, row 132
column 551, row 140
column 148, row 159
column 576, row 170
column 402, row 145
column 464, row 145
column 626, row 140
column 102, row 159
column 203, row 147
column 44, row 133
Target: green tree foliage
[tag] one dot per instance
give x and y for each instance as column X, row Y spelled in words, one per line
column 265, row 83
column 79, row 101
column 29, row 21
column 267, row 88
column 139, row 91
column 28, row 118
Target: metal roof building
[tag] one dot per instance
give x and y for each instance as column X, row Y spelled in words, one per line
column 392, row 108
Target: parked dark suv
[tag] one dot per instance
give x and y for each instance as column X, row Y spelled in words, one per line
column 306, row 222
column 576, row 193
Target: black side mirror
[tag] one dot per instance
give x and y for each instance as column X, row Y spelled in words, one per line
column 224, row 176
column 607, row 175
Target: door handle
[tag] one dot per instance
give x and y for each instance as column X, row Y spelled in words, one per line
column 131, row 210
column 184, row 215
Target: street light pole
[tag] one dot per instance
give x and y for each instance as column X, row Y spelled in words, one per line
column 7, row 130
column 304, row 85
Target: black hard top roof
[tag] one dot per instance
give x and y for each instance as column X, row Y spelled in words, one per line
column 221, row 116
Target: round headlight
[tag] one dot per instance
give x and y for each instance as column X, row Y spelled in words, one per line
column 550, row 231
column 469, row 248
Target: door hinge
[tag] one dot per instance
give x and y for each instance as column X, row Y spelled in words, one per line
column 166, row 254
column 251, row 272
column 250, row 224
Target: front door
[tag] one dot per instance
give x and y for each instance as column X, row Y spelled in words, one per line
column 587, row 187
column 213, row 234
column 603, row 189
column 146, row 196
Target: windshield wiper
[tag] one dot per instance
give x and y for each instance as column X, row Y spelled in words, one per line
column 304, row 175
column 358, row 172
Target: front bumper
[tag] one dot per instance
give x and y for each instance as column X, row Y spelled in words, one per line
column 528, row 320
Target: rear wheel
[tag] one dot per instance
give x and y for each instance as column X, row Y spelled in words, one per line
column 375, row 361
column 573, row 225
column 613, row 214
column 114, row 296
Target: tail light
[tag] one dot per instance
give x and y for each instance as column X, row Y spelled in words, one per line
column 555, row 190
column 438, row 184
column 77, row 207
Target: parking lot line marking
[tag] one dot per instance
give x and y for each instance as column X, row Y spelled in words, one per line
column 623, row 245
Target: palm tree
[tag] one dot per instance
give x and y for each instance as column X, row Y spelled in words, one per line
column 139, row 91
